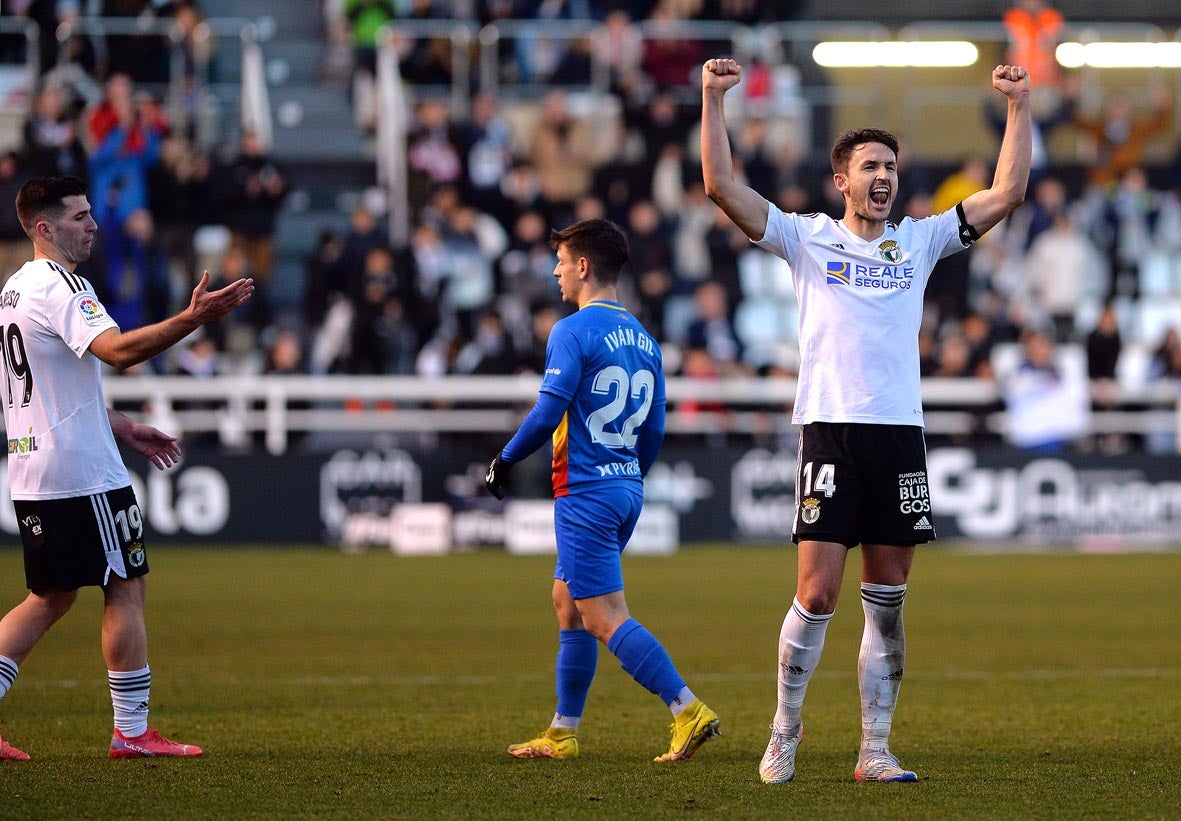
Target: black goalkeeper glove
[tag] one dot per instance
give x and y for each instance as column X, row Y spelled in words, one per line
column 497, row 476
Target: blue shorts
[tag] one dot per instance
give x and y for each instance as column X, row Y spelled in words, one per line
column 592, row 530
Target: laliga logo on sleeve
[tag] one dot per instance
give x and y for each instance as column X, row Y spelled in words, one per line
column 90, row 309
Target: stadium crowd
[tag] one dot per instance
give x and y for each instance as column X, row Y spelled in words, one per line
column 1091, row 263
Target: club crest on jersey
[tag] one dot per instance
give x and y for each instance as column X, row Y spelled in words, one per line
column 838, row 273
column 810, row 511
column 890, row 251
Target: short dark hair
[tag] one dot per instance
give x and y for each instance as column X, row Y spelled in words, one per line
column 848, row 142
column 601, row 241
column 43, row 198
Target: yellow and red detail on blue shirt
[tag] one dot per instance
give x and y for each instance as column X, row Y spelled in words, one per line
column 602, row 361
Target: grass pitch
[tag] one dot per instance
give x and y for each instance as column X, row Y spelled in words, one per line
column 325, row 685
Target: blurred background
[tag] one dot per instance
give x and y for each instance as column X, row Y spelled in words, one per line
column 388, row 171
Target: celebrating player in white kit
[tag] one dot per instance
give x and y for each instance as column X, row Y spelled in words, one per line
column 79, row 520
column 861, row 476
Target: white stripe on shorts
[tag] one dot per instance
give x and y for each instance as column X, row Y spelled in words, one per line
column 110, row 536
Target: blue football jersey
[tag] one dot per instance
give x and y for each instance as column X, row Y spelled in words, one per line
column 603, row 361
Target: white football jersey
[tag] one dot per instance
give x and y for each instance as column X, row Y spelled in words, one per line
column 59, row 438
column 861, row 304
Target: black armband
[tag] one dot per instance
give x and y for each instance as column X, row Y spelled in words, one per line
column 968, row 232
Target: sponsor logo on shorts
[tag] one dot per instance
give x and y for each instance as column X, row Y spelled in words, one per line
column 810, row 511
column 923, row 524
column 913, row 496
column 33, row 523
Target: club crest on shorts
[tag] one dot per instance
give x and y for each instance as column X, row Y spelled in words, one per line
column 136, row 554
column 890, row 251
column 810, row 511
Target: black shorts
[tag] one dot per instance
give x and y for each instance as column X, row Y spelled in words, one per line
column 862, row 484
column 80, row 541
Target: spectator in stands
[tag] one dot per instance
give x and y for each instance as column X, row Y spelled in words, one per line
column 563, row 151
column 15, row 248
column 619, row 45
column 124, row 131
column 952, row 358
column 543, row 314
column 321, row 283
column 491, row 351
column 650, row 264
column 196, row 50
column 1166, row 359
column 662, row 124
column 526, row 270
column 689, row 213
column 1133, row 209
column 365, row 18
column 383, row 339
column 47, row 15
column 971, row 176
column 977, row 333
column 1033, row 28
column 1048, row 406
column 143, row 57
column 255, row 190
column 1037, row 214
column 1062, row 268
column 180, row 190
column 469, row 286
column 433, row 152
column 1121, row 136
column 670, row 61
column 363, row 235
column 712, row 329
column 1104, row 346
column 137, row 290
column 52, row 146
column 486, row 146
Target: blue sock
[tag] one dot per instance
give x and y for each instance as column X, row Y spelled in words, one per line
column 578, row 653
column 645, row 659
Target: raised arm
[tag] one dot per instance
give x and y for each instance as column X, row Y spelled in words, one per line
column 745, row 206
column 122, row 350
column 986, row 208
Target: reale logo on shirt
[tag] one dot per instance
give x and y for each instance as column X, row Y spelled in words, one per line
column 881, row 277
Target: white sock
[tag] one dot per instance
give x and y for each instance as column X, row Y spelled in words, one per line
column 883, row 655
column 801, row 641
column 683, row 700
column 565, row 722
column 8, row 671
column 129, row 697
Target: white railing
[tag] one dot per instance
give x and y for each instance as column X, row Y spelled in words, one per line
column 238, row 407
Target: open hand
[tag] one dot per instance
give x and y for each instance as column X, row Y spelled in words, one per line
column 161, row 449
column 207, row 306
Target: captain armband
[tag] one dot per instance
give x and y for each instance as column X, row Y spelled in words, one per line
column 968, row 232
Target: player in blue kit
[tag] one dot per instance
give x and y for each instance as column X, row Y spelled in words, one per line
column 602, row 402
